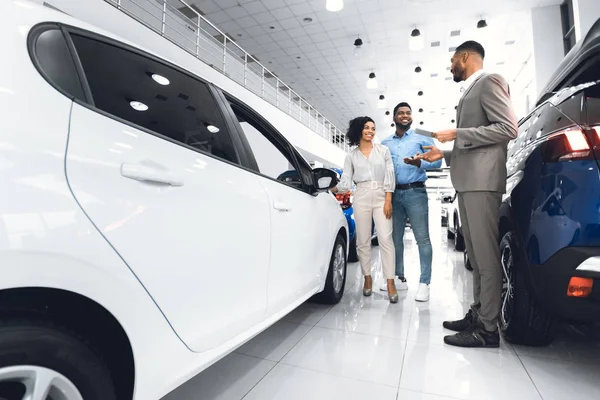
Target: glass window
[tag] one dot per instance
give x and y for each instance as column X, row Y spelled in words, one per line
column 55, row 61
column 154, row 96
column 273, row 158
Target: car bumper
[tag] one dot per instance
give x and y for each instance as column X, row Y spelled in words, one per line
column 551, row 280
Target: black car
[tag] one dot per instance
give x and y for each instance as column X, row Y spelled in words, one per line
column 550, row 216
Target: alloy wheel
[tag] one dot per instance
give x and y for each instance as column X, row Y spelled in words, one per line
column 28, row 382
column 338, row 268
column 507, row 261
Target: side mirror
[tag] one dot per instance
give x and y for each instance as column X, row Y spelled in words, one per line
column 325, row 179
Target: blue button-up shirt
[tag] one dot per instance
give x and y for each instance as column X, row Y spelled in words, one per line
column 409, row 145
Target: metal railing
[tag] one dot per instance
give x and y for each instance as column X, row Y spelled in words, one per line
column 183, row 25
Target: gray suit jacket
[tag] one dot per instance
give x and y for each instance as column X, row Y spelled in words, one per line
column 485, row 122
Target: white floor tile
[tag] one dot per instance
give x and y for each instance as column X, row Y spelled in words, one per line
column 384, row 323
column 307, row 314
column 404, row 394
column 285, row 382
column 351, row 355
column 466, row 373
column 229, row 379
column 274, row 343
column 560, row 380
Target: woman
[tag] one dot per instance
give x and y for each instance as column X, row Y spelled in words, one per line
column 370, row 166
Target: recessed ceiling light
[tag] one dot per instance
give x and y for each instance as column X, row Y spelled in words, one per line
column 453, row 121
column 387, row 113
column 418, row 69
column 298, row 57
column 307, row 19
column 138, row 106
column 435, row 44
column 421, row 123
column 392, row 125
column 420, row 93
column 334, row 5
column 420, row 110
column 161, row 80
column 271, row 27
column 239, row 35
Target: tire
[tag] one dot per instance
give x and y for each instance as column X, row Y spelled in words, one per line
column 28, row 346
column 467, row 261
column 522, row 320
column 353, row 251
column 459, row 241
column 334, row 284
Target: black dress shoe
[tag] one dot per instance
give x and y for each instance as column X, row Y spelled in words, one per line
column 461, row 324
column 475, row 336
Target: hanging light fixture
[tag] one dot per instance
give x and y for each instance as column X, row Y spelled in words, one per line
column 372, row 81
column 482, row 23
column 416, row 41
column 334, row 5
column 358, row 46
column 382, row 103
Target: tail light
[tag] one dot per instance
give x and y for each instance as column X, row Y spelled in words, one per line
column 345, row 199
column 593, row 135
column 569, row 145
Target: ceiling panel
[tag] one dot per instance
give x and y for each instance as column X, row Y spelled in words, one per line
column 311, row 49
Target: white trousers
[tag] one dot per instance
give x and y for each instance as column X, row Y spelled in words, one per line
column 369, row 200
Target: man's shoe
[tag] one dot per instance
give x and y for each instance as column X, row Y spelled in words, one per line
column 422, row 292
column 400, row 284
column 475, row 336
column 461, row 324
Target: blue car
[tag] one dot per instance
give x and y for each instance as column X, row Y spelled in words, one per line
column 550, row 216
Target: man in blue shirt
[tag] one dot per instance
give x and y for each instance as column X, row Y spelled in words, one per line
column 410, row 198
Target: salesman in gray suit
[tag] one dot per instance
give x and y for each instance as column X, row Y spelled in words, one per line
column 485, row 123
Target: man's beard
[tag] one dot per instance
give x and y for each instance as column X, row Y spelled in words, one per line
column 404, row 127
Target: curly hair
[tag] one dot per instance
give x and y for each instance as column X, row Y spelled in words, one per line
column 355, row 128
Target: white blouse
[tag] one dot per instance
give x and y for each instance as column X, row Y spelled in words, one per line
column 379, row 167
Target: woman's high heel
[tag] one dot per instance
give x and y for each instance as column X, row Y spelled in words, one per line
column 368, row 291
column 393, row 297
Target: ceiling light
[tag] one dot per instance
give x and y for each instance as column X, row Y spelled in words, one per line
column 357, row 46
column 138, row 106
column 420, row 110
column 418, row 69
column 453, row 121
column 372, row 81
column 481, row 24
column 420, row 93
column 416, row 42
column 307, row 19
column 393, row 125
column 334, row 5
column 382, row 103
column 161, row 80
column 387, row 113
column 421, row 123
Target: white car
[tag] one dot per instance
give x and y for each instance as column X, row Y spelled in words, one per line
column 143, row 232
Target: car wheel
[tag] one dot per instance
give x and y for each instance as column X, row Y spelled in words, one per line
column 336, row 276
column 353, row 251
column 459, row 240
column 522, row 320
column 467, row 261
column 41, row 361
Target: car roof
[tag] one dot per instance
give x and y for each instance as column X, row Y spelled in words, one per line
column 586, row 48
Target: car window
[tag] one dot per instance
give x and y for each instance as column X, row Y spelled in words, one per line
column 154, row 96
column 273, row 158
column 55, row 61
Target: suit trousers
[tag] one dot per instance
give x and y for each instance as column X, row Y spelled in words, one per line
column 369, row 200
column 479, row 212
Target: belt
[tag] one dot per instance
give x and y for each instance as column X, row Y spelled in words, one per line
column 407, row 186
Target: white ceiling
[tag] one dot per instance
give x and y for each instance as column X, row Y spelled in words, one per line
column 317, row 58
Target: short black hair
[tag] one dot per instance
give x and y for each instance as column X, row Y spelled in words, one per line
column 355, row 128
column 471, row 45
column 402, row 104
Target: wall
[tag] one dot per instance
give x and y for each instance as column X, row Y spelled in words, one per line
column 586, row 13
column 108, row 18
column 548, row 47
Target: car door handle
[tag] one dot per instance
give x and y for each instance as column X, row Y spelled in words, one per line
column 143, row 173
column 279, row 206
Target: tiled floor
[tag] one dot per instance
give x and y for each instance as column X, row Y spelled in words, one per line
column 368, row 348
